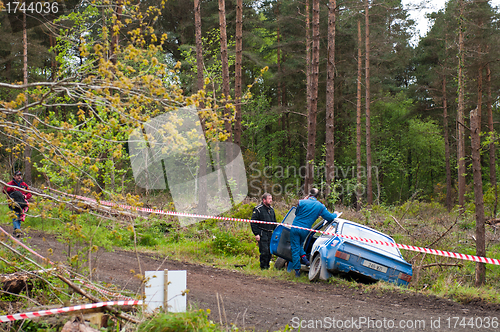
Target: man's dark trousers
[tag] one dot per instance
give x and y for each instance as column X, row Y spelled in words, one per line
column 264, row 249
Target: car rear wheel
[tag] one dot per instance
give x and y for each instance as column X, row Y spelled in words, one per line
column 280, row 263
column 315, row 268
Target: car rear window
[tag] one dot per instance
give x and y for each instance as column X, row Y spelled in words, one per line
column 355, row 230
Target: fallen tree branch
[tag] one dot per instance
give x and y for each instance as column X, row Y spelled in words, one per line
column 19, row 295
column 439, row 264
column 493, row 222
column 437, row 240
column 80, row 291
column 442, row 235
column 397, row 222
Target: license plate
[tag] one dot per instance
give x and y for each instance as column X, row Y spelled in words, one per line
column 375, row 266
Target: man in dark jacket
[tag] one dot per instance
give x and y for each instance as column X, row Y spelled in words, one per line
column 263, row 232
column 19, row 200
column 308, row 210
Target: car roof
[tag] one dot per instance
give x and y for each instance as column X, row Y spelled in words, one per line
column 343, row 221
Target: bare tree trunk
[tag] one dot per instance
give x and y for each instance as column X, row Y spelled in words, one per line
column 225, row 62
column 199, row 45
column 359, row 193
column 308, row 57
column 369, row 186
column 115, row 37
column 27, row 149
column 238, row 78
column 489, row 109
column 311, row 136
column 25, row 50
column 330, row 97
column 311, row 130
column 202, row 192
column 283, row 118
column 479, row 96
column 100, row 177
column 478, row 195
column 460, row 115
column 446, row 147
column 288, row 130
column 53, row 63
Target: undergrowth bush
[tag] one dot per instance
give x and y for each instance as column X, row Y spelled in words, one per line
column 232, row 243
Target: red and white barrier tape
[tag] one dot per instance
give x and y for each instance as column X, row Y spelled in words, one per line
column 436, row 252
column 27, row 315
column 25, row 246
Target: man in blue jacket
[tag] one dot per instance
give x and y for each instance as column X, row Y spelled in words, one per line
column 308, row 210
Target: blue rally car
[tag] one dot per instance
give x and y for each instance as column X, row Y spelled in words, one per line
column 330, row 254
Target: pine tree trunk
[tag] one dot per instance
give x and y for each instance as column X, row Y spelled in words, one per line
column 27, row 149
column 330, row 97
column 199, row 45
column 280, row 84
column 115, row 39
column 359, row 192
column 479, row 96
column 478, row 195
column 202, row 172
column 238, row 78
column 224, row 62
column 53, row 62
column 311, row 136
column 489, row 109
column 460, row 116
column 446, row 147
column 369, row 186
column 311, row 130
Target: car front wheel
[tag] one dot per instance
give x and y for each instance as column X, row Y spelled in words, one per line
column 315, row 268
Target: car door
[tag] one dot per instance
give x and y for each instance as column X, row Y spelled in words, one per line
column 280, row 240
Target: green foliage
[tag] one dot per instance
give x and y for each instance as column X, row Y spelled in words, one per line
column 212, row 68
column 82, row 236
column 242, row 211
column 410, row 156
column 447, row 287
column 190, row 321
column 228, row 243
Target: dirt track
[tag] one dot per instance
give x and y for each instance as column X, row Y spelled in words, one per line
column 264, row 304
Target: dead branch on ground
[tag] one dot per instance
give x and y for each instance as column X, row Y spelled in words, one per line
column 91, row 297
column 439, row 264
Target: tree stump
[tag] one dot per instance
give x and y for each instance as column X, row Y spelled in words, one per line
column 16, row 282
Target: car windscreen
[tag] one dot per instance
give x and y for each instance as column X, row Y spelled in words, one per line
column 357, row 231
column 328, row 228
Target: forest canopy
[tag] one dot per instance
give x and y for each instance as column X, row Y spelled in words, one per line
column 335, row 85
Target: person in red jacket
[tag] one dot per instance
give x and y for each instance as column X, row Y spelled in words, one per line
column 20, row 198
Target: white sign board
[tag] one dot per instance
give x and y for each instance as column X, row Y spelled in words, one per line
column 173, row 294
